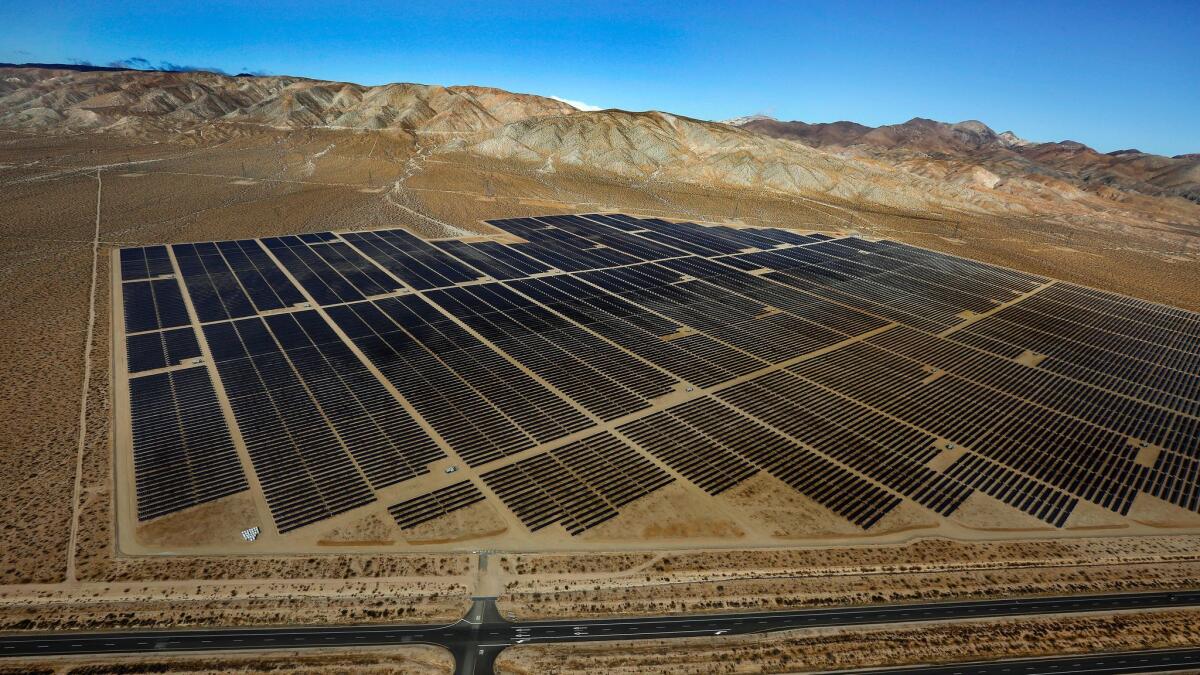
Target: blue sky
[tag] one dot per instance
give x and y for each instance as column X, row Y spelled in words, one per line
column 1110, row 74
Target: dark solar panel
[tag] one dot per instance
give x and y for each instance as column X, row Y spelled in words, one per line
column 259, row 276
column 145, row 263
column 416, row 262
column 215, row 290
column 412, row 512
column 153, row 305
column 385, row 440
column 579, row 485
column 471, row 424
column 182, row 451
column 600, row 377
column 159, row 349
column 306, row 472
column 326, row 283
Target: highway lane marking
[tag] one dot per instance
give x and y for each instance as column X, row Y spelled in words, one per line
column 574, row 637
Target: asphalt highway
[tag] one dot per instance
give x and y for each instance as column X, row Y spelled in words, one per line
column 476, row 639
column 1150, row 661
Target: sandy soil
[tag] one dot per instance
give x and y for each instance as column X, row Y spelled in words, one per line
column 546, row 585
column 477, row 521
column 407, row 660
column 206, row 524
column 668, row 515
column 367, row 530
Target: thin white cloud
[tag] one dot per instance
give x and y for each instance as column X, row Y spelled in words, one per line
column 578, row 105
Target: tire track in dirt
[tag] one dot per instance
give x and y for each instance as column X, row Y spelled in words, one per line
column 87, row 380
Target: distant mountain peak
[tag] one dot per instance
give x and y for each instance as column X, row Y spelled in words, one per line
column 746, row 119
column 1010, row 140
column 974, row 126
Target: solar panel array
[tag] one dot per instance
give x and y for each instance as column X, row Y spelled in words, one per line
column 582, row 362
column 430, row 506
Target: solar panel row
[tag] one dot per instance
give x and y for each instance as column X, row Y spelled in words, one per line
column 1094, row 354
column 920, row 289
column 182, row 451
column 153, row 305
column 721, row 239
column 1176, row 479
column 145, row 263
column 747, row 325
column 696, row 358
column 637, row 247
column 830, row 315
column 331, row 272
column 415, row 262
column 1122, row 414
column 875, row 445
column 474, row 427
column 1037, row 499
column 432, row 505
column 306, row 472
column 560, row 249
column 807, row 472
column 580, row 485
column 214, row 289
column 705, row 461
column 385, row 440
column 603, row 379
column 543, row 415
column 159, row 349
column 1062, row 451
column 1088, row 460
column 493, row 259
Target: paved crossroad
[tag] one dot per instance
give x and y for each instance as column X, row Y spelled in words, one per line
column 476, row 639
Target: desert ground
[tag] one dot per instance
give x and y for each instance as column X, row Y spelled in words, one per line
column 406, row 660
column 71, row 199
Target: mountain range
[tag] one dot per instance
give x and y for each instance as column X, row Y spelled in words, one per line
column 916, row 166
column 1004, row 154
